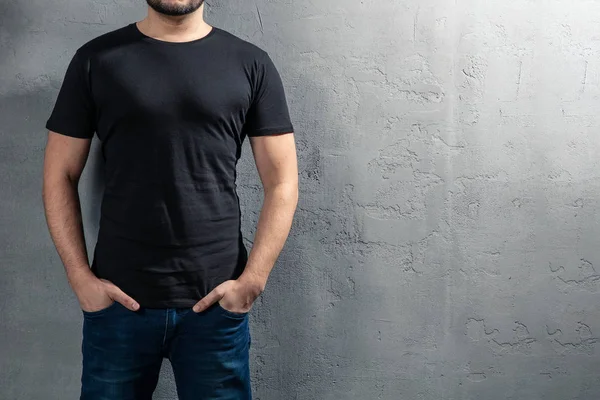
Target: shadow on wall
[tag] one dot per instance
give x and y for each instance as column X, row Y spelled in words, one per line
column 22, row 144
column 23, row 138
column 95, row 185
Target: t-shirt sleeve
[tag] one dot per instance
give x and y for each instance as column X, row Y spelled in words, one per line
column 73, row 113
column 268, row 114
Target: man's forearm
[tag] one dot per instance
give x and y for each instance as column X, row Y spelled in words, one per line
column 63, row 216
column 272, row 230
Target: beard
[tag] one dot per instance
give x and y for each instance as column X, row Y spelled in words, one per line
column 172, row 8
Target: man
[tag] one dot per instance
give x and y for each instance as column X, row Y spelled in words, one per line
column 171, row 99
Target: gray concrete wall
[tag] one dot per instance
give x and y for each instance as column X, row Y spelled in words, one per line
column 446, row 240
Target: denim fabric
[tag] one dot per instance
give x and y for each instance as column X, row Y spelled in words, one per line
column 123, row 352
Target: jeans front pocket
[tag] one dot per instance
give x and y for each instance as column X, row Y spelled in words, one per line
column 102, row 311
column 230, row 313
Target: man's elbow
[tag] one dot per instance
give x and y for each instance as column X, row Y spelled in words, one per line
column 287, row 192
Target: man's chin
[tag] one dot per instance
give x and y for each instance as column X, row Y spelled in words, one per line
column 175, row 7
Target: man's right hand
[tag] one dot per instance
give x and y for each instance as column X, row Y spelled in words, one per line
column 96, row 294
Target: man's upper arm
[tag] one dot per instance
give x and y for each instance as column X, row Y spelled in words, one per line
column 276, row 159
column 65, row 156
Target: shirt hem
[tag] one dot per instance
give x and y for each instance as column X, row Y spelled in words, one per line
column 169, row 304
column 271, row 131
column 56, row 129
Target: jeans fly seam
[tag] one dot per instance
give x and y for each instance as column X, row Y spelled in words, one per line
column 166, row 326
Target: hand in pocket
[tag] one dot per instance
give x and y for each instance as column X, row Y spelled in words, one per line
column 236, row 296
column 96, row 294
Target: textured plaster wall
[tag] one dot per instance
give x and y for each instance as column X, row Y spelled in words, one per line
column 446, row 241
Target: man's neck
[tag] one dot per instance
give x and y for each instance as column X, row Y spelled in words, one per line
column 175, row 29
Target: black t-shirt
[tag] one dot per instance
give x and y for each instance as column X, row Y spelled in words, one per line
column 171, row 119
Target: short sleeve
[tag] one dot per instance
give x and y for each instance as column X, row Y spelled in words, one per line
column 268, row 114
column 73, row 113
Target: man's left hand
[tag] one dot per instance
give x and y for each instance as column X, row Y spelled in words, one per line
column 236, row 295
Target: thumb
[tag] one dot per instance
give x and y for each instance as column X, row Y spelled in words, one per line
column 120, row 296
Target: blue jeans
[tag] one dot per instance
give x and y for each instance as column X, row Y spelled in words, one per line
column 123, row 352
